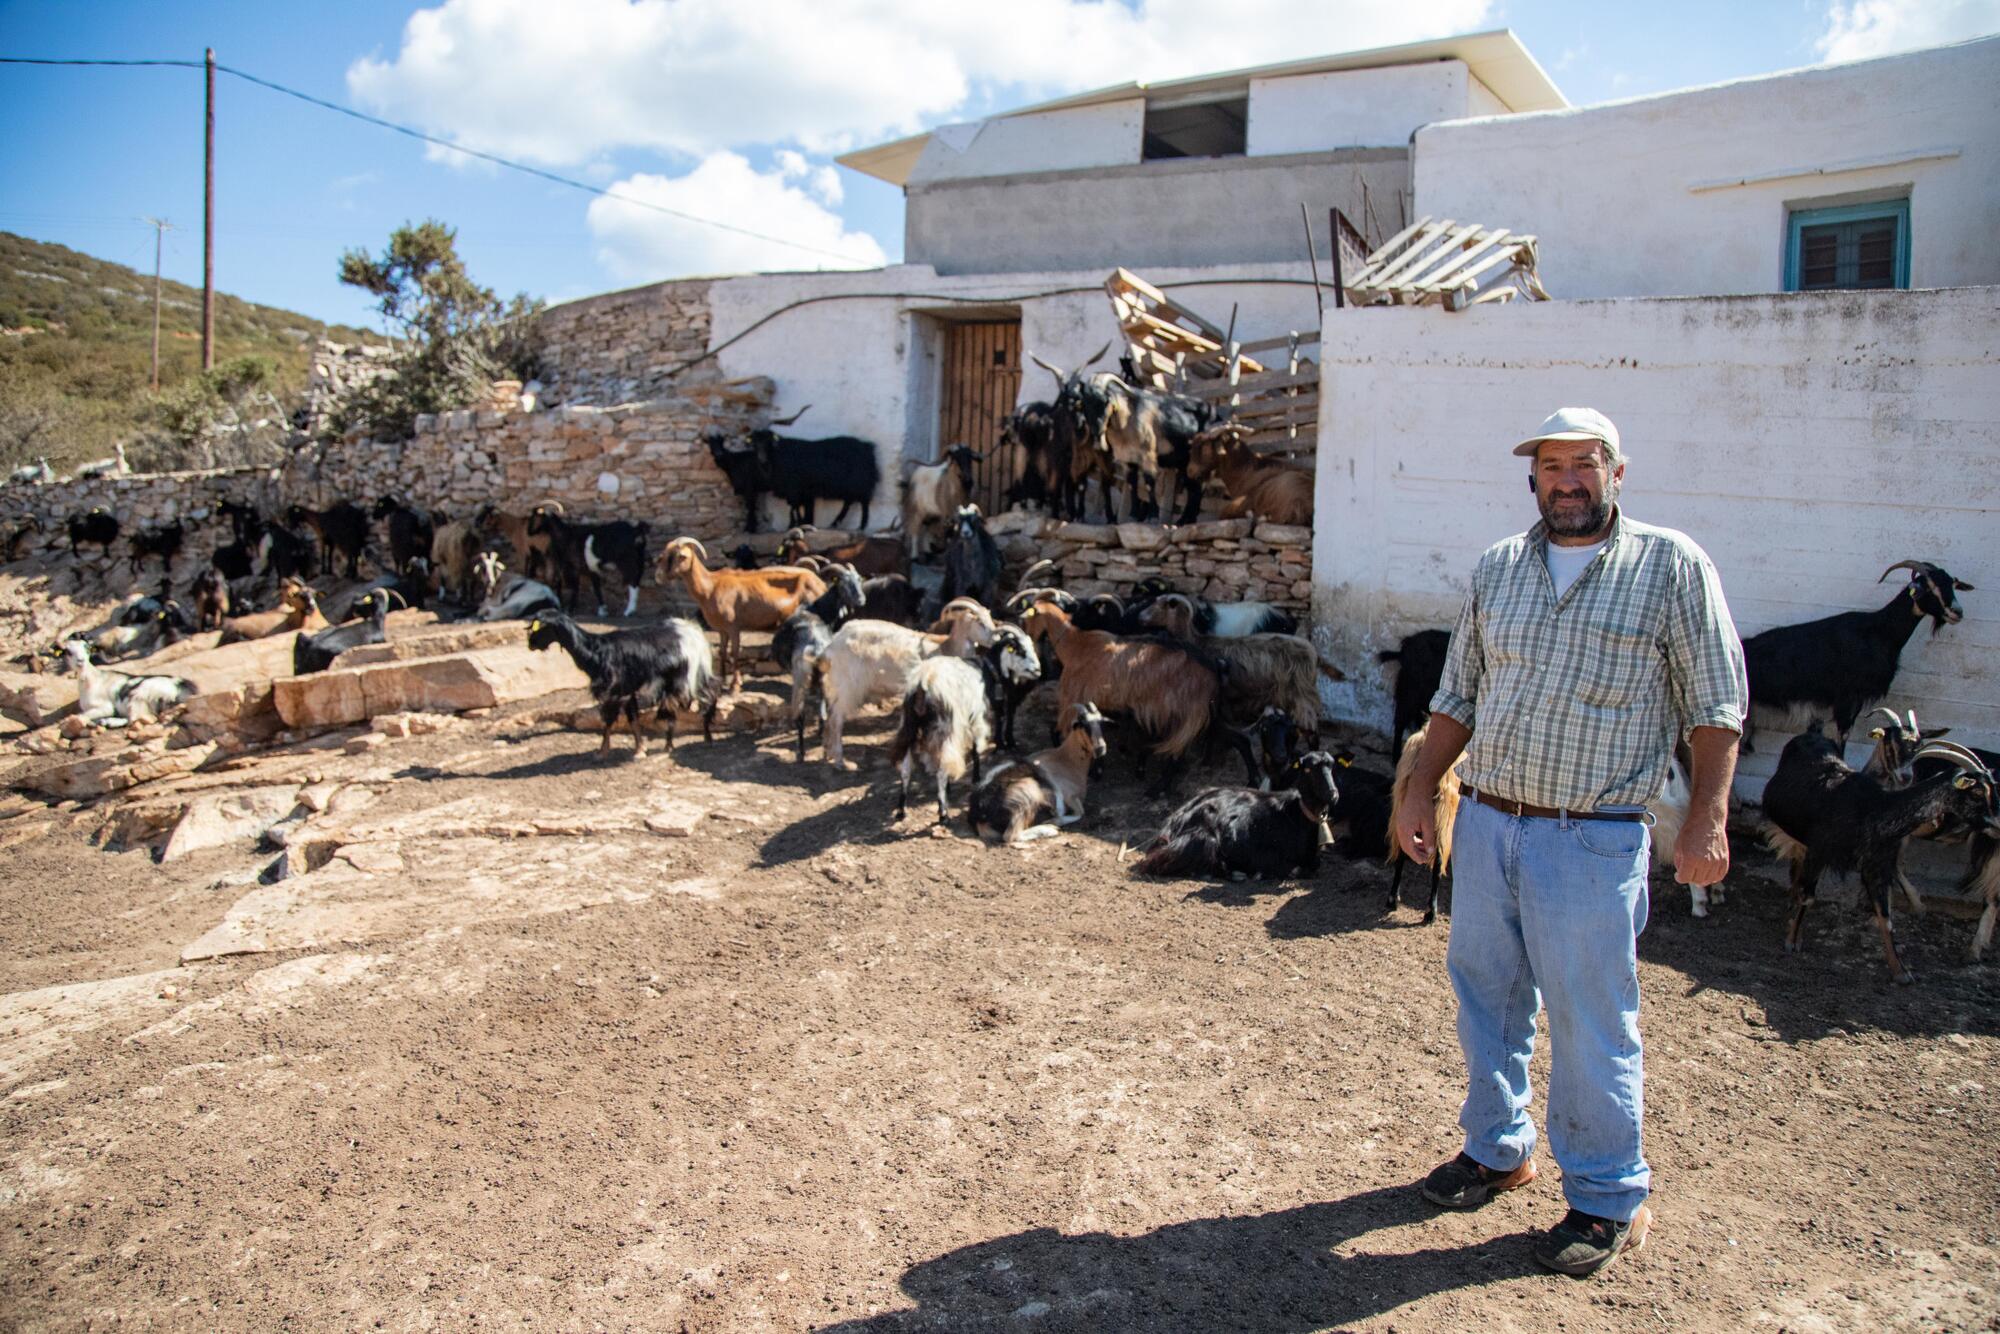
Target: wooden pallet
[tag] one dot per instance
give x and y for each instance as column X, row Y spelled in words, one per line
column 1176, row 350
column 1441, row 262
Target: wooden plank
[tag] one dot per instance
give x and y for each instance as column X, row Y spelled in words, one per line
column 1390, row 248
column 1421, row 257
column 1442, row 276
column 1264, row 382
column 1272, row 344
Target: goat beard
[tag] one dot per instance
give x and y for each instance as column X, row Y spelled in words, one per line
column 1591, row 519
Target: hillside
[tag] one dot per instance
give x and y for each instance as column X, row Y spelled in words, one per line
column 75, row 346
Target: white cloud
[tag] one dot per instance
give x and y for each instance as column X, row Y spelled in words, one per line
column 639, row 245
column 562, row 85
column 1877, row 27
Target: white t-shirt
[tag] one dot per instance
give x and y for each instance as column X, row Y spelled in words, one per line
column 1566, row 563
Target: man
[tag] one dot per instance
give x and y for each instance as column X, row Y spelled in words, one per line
column 1586, row 646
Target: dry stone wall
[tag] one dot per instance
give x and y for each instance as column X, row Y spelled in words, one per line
column 139, row 500
column 625, row 347
column 1224, row 560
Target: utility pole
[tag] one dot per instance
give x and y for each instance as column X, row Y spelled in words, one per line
column 160, row 228
column 208, row 225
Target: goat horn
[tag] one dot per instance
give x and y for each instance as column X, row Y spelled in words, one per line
column 1956, row 754
column 1038, row 569
column 787, row 421
column 1099, row 354
column 394, row 594
column 555, row 505
column 1881, row 708
column 1061, row 376
column 1916, row 565
column 1913, row 720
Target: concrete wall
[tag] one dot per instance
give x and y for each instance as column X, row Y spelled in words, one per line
column 1687, row 193
column 1805, row 441
column 1180, row 212
column 1105, row 135
column 868, row 363
column 1358, row 108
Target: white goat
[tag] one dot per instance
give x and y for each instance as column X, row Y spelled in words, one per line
column 945, row 720
column 870, row 661
column 113, row 699
column 509, row 597
column 934, row 491
column 38, row 473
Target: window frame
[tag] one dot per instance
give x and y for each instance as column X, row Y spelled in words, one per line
column 1798, row 219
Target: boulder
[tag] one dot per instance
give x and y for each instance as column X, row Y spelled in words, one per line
column 224, row 817
column 462, row 638
column 36, row 698
column 1088, row 534
column 475, row 680
column 97, row 774
column 1285, row 534
column 1141, row 536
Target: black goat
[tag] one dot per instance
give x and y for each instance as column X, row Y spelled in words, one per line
column 283, row 554
column 1419, row 663
column 1239, row 831
column 799, row 472
column 744, row 557
column 972, row 563
column 810, row 629
column 892, row 597
column 237, row 558
column 1046, row 478
column 1012, row 671
column 342, row 530
column 163, row 541
column 579, row 549
column 1828, row 817
column 410, row 533
column 1845, row 663
column 98, row 527
column 660, row 667
column 315, row 653
column 1360, row 819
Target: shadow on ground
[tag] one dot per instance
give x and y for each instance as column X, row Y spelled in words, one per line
column 1272, row 1273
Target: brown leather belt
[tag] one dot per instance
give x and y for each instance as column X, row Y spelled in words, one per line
column 1549, row 812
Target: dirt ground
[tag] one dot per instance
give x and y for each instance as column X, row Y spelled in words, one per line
column 517, row 1057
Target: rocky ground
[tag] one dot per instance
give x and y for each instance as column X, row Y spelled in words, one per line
column 506, row 1035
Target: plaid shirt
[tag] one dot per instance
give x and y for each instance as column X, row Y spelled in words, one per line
column 1573, row 703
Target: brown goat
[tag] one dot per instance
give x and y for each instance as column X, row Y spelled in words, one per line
column 297, row 609
column 1271, row 489
column 1172, row 691
column 1265, row 671
column 530, row 550
column 868, row 556
column 455, row 548
column 733, row 601
column 1445, row 810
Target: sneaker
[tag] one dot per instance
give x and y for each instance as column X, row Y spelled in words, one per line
column 1466, row 1183
column 1583, row 1243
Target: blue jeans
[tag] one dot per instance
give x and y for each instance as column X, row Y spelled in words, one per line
column 1551, row 910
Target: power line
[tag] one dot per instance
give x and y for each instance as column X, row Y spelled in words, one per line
column 494, row 158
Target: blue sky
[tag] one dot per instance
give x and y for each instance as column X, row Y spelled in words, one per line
column 717, row 107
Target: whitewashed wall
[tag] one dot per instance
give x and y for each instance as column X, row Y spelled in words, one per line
column 1686, row 193
column 1358, row 108
column 866, row 367
column 1105, row 135
column 1805, row 441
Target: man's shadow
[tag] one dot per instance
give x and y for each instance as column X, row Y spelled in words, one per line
column 1271, row 1273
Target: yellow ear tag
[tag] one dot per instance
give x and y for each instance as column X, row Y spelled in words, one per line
column 1963, row 782
column 534, row 626
column 1345, row 763
column 1876, row 733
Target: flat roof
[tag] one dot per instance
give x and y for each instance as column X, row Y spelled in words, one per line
column 1497, row 59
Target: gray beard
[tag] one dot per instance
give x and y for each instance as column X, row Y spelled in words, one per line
column 1591, row 520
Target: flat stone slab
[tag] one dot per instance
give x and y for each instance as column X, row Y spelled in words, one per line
column 95, row 775
column 36, row 698
column 225, row 817
column 438, row 643
column 340, row 904
column 35, row 1025
column 476, row 680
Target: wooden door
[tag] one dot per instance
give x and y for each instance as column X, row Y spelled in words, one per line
column 982, row 375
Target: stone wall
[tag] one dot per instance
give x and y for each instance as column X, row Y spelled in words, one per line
column 642, row 460
column 1224, row 560
column 139, row 500
column 624, row 347
column 335, row 370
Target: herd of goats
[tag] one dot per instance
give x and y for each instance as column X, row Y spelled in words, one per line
column 918, row 618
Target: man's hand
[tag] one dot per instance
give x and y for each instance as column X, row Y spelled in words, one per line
column 1701, row 853
column 1416, row 818
column 1416, row 830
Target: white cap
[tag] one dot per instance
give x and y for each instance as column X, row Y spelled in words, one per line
column 1575, row 424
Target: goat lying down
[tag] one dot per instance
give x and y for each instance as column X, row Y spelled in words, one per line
column 114, row 699
column 1240, row 831
column 1014, row 798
